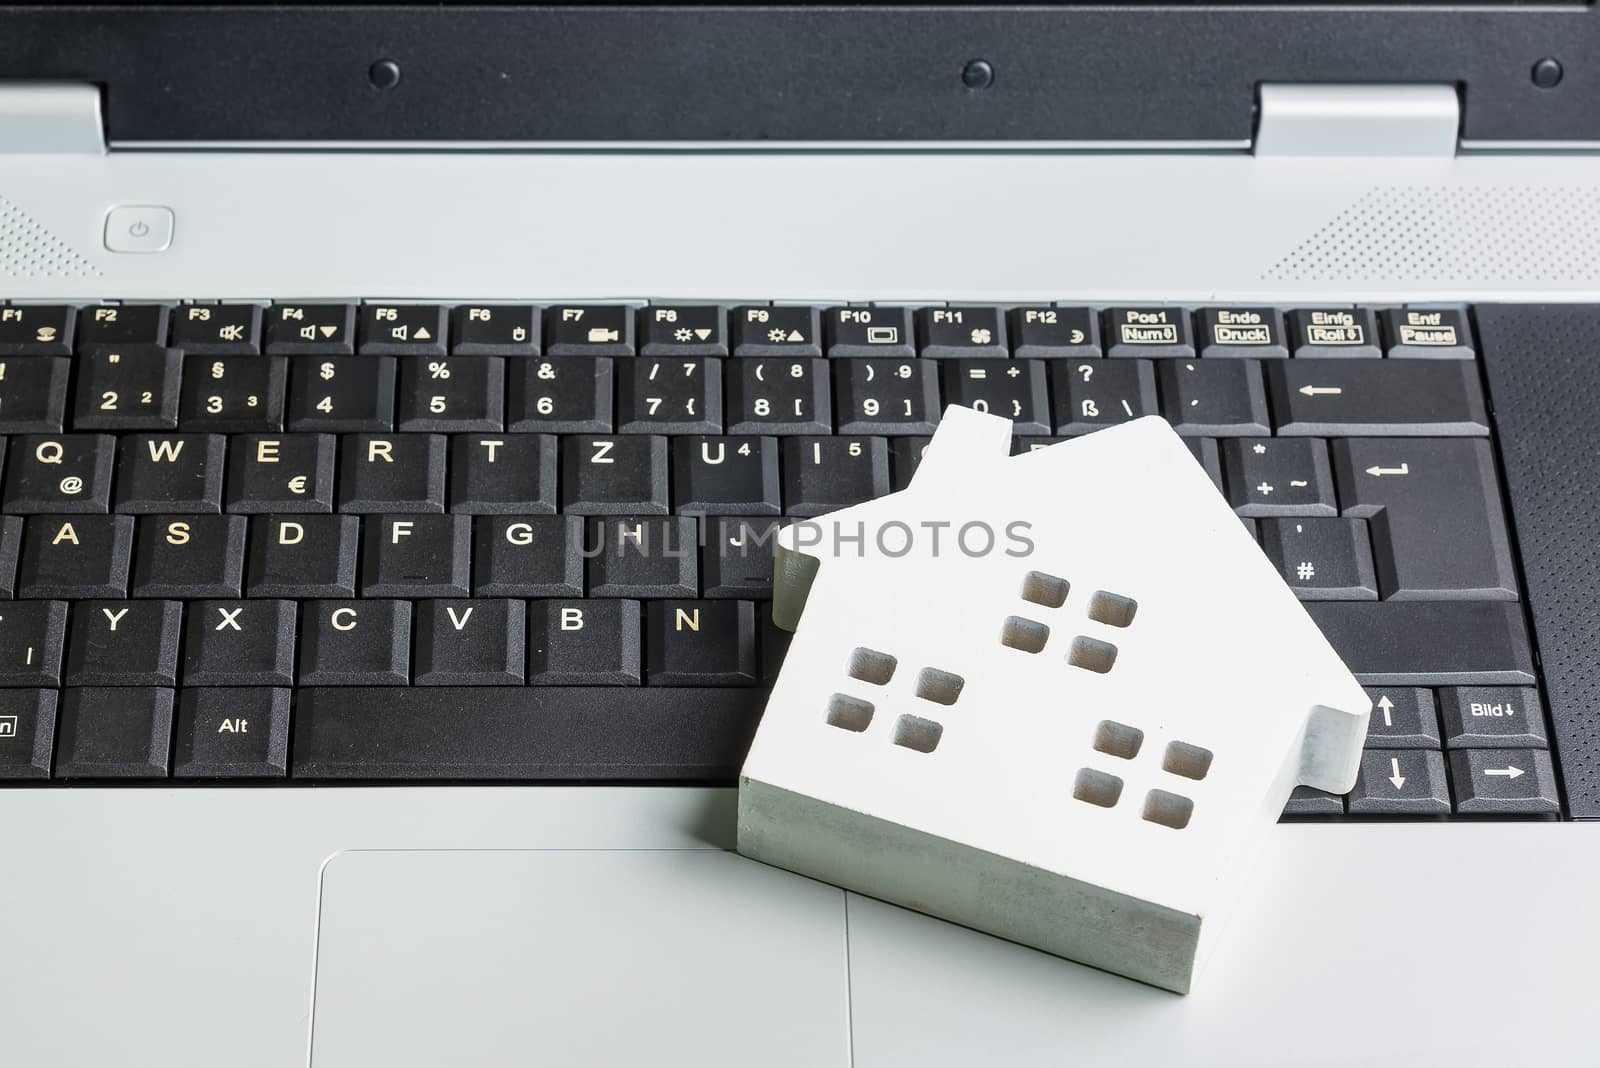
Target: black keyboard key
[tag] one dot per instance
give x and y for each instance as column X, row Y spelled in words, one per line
column 886, row 396
column 1403, row 717
column 670, row 396
column 170, row 473
column 527, row 556
column 1412, row 643
column 1094, row 394
column 188, row 556
column 10, row 552
column 1438, row 531
column 774, row 643
column 495, row 330
column 824, row 474
column 321, row 329
column 75, row 556
column 1235, row 331
column 239, row 643
column 37, row 330
column 1015, row 389
column 1492, row 717
column 347, row 394
column 905, row 456
column 682, row 330
column 32, row 637
column 583, row 643
column 238, row 733
column 1395, row 398
column 1427, row 333
column 242, row 394
column 114, row 733
column 778, row 396
column 1323, row 559
column 399, row 473
column 281, row 473
column 124, row 643
column 588, row 330
column 862, row 331
column 736, row 560
column 218, row 329
column 471, row 643
column 1286, row 477
column 1220, row 398
column 132, row 387
column 1502, row 782
column 65, row 473
column 303, row 556
column 33, row 394
column 355, row 643
column 725, row 475
column 700, row 643
column 1306, row 801
column 417, row 556
column 614, row 475
column 402, row 329
column 455, row 394
column 1149, row 332
column 1401, row 782
column 570, row 395
column 1044, row 332
column 777, row 330
column 642, row 556
column 505, row 473
column 964, row 331
column 27, row 733
column 1334, row 332
column 1209, row 456
column 123, row 324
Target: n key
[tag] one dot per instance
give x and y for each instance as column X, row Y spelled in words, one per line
column 70, row 473
column 700, row 643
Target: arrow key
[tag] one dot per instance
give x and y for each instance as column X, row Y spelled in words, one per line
column 1403, row 717
column 1401, row 782
column 1504, row 782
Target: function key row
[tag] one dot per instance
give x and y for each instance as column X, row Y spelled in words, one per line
column 1030, row 331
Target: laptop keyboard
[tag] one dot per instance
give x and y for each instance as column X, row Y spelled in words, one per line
column 401, row 543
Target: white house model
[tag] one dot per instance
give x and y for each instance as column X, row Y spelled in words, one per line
column 1058, row 697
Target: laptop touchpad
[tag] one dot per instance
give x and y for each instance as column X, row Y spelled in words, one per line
column 556, row 957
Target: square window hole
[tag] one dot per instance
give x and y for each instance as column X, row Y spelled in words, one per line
column 1044, row 589
column 917, row 733
column 1112, row 609
column 938, row 686
column 1118, row 739
column 1187, row 760
column 1092, row 654
column 1096, row 787
column 850, row 713
column 869, row 665
column 1169, row 810
column 1024, row 634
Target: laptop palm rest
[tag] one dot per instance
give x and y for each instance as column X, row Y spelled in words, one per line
column 577, row 957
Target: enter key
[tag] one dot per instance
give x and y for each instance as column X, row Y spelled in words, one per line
column 1433, row 504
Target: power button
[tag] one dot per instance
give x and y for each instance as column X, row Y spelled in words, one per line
column 138, row 228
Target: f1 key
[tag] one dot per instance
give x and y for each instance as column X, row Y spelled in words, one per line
column 1388, row 398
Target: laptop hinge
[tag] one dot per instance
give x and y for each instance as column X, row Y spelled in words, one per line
column 59, row 117
column 1357, row 120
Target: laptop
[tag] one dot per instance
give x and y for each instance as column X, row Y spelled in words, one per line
column 342, row 349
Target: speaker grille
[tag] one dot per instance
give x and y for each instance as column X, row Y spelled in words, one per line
column 28, row 250
column 1484, row 233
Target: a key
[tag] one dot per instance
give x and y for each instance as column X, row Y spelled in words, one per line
column 583, row 643
column 614, row 475
column 188, row 556
column 10, row 552
column 1502, row 782
column 33, row 394
column 75, row 556
column 355, row 643
column 700, row 643
column 471, row 643
column 737, row 558
column 170, row 473
column 725, row 475
column 217, row 329
column 320, row 329
column 682, row 330
column 588, row 330
column 662, row 395
column 824, row 474
column 886, row 396
column 402, row 330
column 127, row 388
column 392, row 473
column 239, row 643
column 1323, row 559
column 1427, row 333
column 1148, row 332
column 302, row 556
column 779, row 396
column 777, row 330
column 1411, row 643
column 1438, row 530
column 1221, row 398
column 234, row 733
column 242, row 394
column 27, row 733
column 123, row 324
column 642, row 556
column 862, row 331
column 124, row 643
column 455, row 394
column 1307, row 801
column 905, row 456
column 1057, row 333
column 1334, row 333
column 37, row 330
column 1395, row 398
column 1015, row 389
column 353, row 394
column 570, row 395
column 1235, row 331
column 508, row 473
column 60, row 473
column 1285, row 477
column 281, row 473
column 32, row 637
column 1401, row 782
column 1403, row 717
column 964, row 331
column 1492, row 717
column 527, row 556
column 1093, row 394
column 417, row 556
column 495, row 330
column 120, row 732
